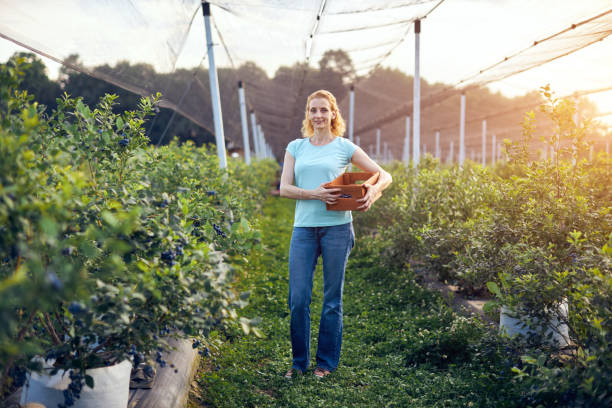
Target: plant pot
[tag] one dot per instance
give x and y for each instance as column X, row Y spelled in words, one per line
column 111, row 387
column 350, row 192
column 558, row 330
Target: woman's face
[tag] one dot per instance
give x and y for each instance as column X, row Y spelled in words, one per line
column 320, row 114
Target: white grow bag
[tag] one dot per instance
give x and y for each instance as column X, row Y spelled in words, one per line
column 111, row 388
column 515, row 326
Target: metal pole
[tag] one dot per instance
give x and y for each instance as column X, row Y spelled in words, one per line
column 214, row 89
column 406, row 153
column 351, row 112
column 484, row 143
column 416, row 103
column 385, row 152
column 377, row 144
column 254, row 132
column 452, row 151
column 438, row 144
column 261, row 146
column 262, row 141
column 462, row 131
column 245, row 127
column 358, row 141
column 424, row 149
column 493, row 153
column 371, row 150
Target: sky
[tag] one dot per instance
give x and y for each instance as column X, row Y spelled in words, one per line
column 458, row 38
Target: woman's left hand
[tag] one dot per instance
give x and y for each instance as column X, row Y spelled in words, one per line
column 371, row 195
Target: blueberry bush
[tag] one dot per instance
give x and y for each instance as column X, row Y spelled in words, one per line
column 530, row 234
column 109, row 246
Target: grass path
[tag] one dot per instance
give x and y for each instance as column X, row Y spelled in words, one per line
column 403, row 346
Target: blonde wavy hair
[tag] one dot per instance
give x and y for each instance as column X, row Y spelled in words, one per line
column 337, row 124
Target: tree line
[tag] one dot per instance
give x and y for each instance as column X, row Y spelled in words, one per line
column 278, row 100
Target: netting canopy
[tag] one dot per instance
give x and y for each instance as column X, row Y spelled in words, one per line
column 281, row 50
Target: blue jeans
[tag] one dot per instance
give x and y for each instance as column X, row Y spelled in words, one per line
column 334, row 244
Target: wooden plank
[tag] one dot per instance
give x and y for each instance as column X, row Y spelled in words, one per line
column 170, row 389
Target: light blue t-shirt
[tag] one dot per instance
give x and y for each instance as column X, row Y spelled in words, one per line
column 315, row 165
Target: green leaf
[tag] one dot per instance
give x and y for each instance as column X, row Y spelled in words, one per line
column 490, row 306
column 48, row 226
column 89, row 381
column 529, row 360
column 493, row 288
column 110, row 219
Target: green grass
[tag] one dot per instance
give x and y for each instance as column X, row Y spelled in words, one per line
column 403, row 346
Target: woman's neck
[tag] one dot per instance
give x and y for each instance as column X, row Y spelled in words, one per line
column 321, row 137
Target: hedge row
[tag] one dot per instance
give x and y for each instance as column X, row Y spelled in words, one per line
column 108, row 246
column 530, row 234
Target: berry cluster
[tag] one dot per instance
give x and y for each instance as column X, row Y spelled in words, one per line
column 18, row 374
column 137, row 357
column 196, row 220
column 219, row 231
column 169, row 256
column 159, row 359
column 76, row 308
column 73, row 392
column 125, row 141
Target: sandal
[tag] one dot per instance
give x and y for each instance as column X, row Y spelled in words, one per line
column 321, row 372
column 289, row 373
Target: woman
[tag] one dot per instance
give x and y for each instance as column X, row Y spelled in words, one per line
column 319, row 157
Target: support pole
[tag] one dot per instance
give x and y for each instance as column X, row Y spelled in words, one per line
column 262, row 142
column 462, row 131
column 358, row 141
column 385, row 152
column 245, row 127
column 438, row 145
column 484, row 143
column 214, row 89
column 416, row 103
column 493, row 152
column 351, row 112
column 406, row 152
column 451, row 154
column 254, row 132
column 377, row 144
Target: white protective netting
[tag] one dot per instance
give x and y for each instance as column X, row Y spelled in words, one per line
column 282, row 51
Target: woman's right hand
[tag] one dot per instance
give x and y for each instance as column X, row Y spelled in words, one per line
column 327, row 195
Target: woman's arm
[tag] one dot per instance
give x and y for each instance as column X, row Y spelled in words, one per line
column 361, row 160
column 288, row 190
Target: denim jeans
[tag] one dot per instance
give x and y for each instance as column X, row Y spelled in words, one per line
column 334, row 244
